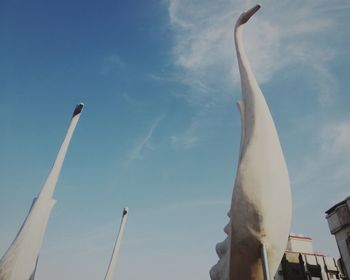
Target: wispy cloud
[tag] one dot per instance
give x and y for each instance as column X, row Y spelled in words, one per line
column 283, row 36
column 321, row 179
column 189, row 138
column 330, row 158
column 336, row 139
column 144, row 143
column 111, row 63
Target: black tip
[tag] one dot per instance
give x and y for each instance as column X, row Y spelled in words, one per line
column 78, row 109
column 125, row 211
column 248, row 14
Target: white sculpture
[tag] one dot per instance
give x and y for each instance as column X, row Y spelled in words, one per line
column 113, row 261
column 260, row 213
column 20, row 260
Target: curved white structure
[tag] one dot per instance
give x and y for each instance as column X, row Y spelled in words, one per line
column 113, row 261
column 260, row 213
column 20, row 260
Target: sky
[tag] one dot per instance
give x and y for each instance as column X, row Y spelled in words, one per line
column 160, row 130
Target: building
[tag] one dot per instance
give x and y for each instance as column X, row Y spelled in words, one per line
column 338, row 218
column 300, row 262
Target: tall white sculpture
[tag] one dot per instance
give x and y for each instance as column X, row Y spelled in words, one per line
column 20, row 260
column 113, row 261
column 260, row 213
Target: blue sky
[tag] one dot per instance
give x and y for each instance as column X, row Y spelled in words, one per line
column 160, row 131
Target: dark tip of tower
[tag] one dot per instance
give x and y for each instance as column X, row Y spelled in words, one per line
column 125, row 211
column 78, row 109
column 248, row 14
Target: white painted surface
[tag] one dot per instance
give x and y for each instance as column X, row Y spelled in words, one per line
column 261, row 204
column 300, row 244
column 19, row 261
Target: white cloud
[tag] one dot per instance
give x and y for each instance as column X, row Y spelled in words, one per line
column 320, row 178
column 189, row 137
column 111, row 63
column 330, row 161
column 283, row 35
column 336, row 139
column 143, row 143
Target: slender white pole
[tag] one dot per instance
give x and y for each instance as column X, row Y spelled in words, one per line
column 265, row 262
column 20, row 260
column 113, row 261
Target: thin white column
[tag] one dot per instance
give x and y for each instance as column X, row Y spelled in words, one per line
column 20, row 260
column 113, row 261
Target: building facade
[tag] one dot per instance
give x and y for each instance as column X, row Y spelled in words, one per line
column 338, row 218
column 300, row 262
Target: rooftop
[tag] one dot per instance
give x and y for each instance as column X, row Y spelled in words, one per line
column 330, row 210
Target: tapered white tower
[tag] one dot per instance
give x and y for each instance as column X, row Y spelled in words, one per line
column 260, row 213
column 113, row 261
column 20, row 260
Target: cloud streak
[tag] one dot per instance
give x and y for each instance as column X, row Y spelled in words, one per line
column 143, row 144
